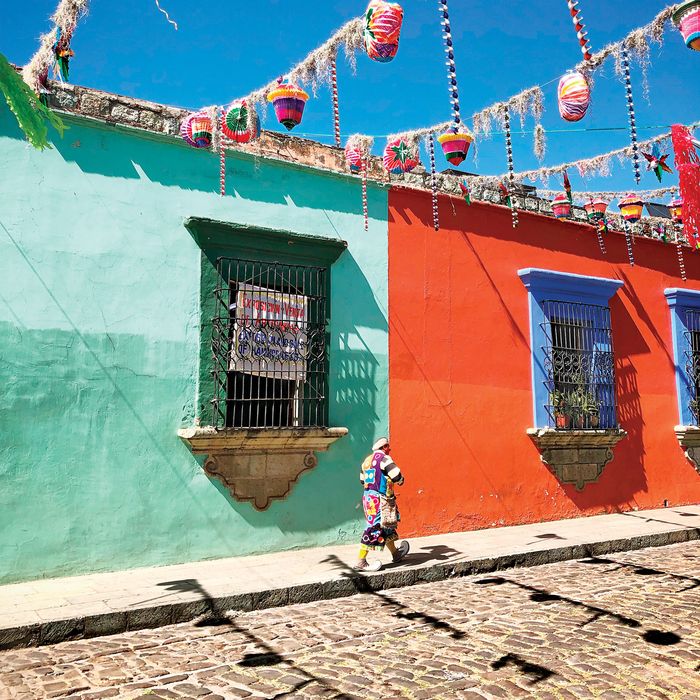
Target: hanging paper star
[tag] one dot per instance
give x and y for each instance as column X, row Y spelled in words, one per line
column 567, row 187
column 505, row 195
column 466, row 192
column 657, row 162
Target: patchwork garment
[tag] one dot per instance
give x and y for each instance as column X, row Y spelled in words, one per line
column 379, row 474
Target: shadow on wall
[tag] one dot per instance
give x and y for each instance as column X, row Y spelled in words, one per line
column 324, row 498
column 490, row 221
column 109, row 151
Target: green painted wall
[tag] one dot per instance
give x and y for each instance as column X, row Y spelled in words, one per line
column 100, row 352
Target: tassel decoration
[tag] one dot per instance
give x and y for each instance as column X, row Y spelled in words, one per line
column 688, row 167
column 511, row 171
column 624, row 58
column 451, row 68
column 336, row 109
column 581, row 32
column 433, row 182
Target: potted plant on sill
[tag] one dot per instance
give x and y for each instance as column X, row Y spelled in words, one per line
column 562, row 418
column 590, row 409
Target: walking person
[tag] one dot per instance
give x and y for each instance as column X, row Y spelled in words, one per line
column 379, row 474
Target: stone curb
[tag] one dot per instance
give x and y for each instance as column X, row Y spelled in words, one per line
column 117, row 622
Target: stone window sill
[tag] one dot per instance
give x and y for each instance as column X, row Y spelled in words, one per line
column 576, row 456
column 259, row 465
column 689, row 439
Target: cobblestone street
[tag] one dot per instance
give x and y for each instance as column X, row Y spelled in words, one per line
column 627, row 626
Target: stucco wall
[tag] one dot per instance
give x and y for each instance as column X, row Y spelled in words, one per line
column 460, row 369
column 99, row 351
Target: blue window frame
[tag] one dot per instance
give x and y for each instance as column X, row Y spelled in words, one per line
column 573, row 373
column 685, row 326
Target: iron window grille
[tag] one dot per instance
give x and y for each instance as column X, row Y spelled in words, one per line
column 579, row 364
column 269, row 345
column 692, row 359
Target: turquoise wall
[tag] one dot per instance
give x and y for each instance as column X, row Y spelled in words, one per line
column 99, row 351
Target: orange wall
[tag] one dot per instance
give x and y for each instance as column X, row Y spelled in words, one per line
column 460, row 369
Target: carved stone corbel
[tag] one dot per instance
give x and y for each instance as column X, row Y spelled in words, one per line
column 689, row 439
column 259, row 465
column 576, row 456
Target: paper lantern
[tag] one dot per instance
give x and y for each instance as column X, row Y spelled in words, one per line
column 561, row 206
column 687, row 19
column 574, row 96
column 382, row 29
column 455, row 146
column 196, row 129
column 353, row 157
column 631, row 207
column 399, row 157
column 596, row 208
column 241, row 123
column 288, row 100
column 676, row 209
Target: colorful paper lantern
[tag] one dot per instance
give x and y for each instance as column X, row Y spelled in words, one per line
column 288, row 100
column 353, row 157
column 241, row 123
column 382, row 29
column 676, row 209
column 687, row 19
column 561, row 206
column 574, row 96
column 196, row 129
column 399, row 157
column 596, row 208
column 455, row 146
column 631, row 208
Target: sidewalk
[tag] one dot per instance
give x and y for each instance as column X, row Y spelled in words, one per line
column 53, row 610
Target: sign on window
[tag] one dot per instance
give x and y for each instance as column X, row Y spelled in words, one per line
column 270, row 337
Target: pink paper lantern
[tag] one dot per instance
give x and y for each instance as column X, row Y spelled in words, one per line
column 687, row 19
column 383, row 22
column 288, row 100
column 455, row 146
column 676, row 209
column 561, row 206
column 596, row 208
column 574, row 96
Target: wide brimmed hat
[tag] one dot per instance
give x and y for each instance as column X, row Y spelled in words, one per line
column 382, row 442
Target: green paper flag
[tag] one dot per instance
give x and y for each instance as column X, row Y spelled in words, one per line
column 31, row 114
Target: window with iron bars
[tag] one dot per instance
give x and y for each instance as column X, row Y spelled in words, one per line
column 692, row 360
column 579, row 363
column 269, row 345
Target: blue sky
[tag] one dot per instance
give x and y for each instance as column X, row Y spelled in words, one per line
column 223, row 50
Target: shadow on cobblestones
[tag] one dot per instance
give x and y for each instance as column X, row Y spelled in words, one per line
column 536, row 673
column 268, row 657
column 362, row 585
column 539, row 595
column 644, row 571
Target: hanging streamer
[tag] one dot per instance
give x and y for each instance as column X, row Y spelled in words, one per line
column 600, row 228
column 511, row 172
column 433, row 182
column 628, row 240
column 581, row 32
column 222, row 154
column 679, row 249
column 167, row 16
column 365, row 208
column 688, row 166
column 451, row 67
column 336, row 109
column 625, row 62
